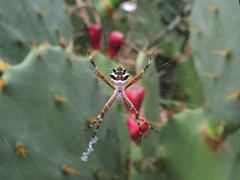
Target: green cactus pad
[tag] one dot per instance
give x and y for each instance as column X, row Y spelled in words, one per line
column 185, row 155
column 44, row 110
column 26, row 23
column 215, row 36
column 188, row 88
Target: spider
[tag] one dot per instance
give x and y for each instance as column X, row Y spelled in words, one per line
column 119, row 83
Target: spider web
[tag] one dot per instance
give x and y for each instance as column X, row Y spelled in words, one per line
column 7, row 145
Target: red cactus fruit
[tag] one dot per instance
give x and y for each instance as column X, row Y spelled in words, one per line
column 133, row 127
column 115, row 41
column 135, row 94
column 95, row 35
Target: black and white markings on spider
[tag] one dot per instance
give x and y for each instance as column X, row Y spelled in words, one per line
column 119, row 83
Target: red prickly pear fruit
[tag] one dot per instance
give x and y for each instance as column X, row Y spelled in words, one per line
column 95, row 35
column 115, row 42
column 133, row 129
column 135, row 94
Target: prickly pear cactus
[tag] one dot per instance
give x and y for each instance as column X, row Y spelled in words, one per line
column 188, row 87
column 27, row 23
column 45, row 105
column 151, row 100
column 183, row 153
column 214, row 37
column 150, row 83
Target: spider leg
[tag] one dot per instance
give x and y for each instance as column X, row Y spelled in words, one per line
column 139, row 127
column 101, row 115
column 147, row 124
column 91, row 124
column 138, row 117
column 139, row 75
column 98, row 72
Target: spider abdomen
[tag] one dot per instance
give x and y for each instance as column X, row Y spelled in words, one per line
column 119, row 94
column 119, row 89
column 119, row 85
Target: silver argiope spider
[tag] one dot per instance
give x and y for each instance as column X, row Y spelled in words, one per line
column 119, row 84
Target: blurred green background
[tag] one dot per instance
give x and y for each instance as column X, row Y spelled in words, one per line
column 49, row 93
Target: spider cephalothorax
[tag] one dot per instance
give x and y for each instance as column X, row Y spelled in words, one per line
column 119, row 74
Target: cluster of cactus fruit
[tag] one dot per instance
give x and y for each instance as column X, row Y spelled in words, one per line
column 46, row 101
column 135, row 93
column 115, row 39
